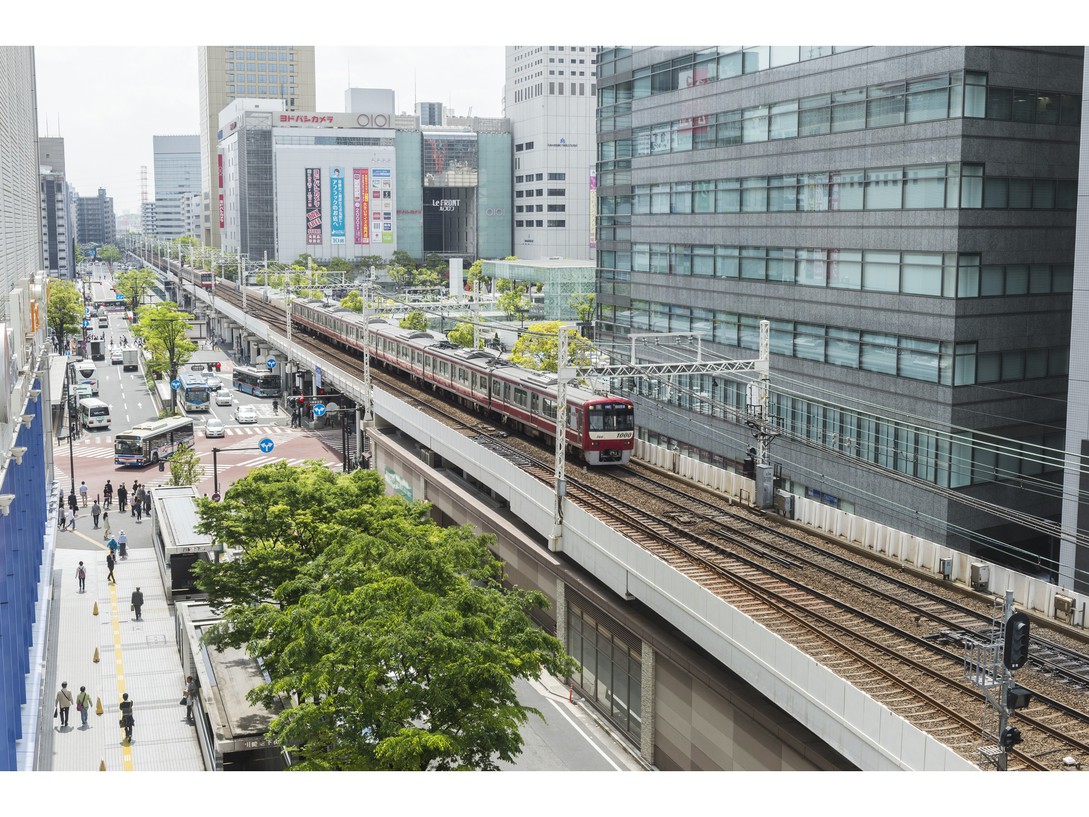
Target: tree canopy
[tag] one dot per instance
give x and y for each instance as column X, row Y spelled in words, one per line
column 64, row 308
column 163, row 329
column 135, row 285
column 185, row 467
column 395, row 637
column 538, row 348
column 414, row 320
column 462, row 335
column 513, row 301
column 109, row 254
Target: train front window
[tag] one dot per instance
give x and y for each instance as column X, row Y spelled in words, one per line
column 611, row 417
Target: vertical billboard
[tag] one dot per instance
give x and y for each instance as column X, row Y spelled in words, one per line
column 593, row 209
column 382, row 204
column 222, row 215
column 336, row 205
column 361, row 205
column 313, row 205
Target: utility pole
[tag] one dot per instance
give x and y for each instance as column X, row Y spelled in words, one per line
column 564, row 373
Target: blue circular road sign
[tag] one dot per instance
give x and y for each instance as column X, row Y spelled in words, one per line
column 175, row 384
column 271, row 363
column 119, row 297
column 319, row 409
column 86, row 324
column 266, row 445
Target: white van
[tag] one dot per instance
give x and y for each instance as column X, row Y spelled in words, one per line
column 94, row 413
column 85, row 368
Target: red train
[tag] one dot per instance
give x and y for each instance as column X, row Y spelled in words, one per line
column 600, row 428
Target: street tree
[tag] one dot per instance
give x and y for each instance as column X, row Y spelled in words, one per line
column 583, row 304
column 402, row 258
column 395, row 637
column 135, row 285
column 427, row 277
column 400, row 276
column 462, row 335
column 414, row 320
column 475, row 274
column 185, row 467
column 64, row 309
column 353, row 301
column 538, row 348
column 163, row 329
column 110, row 254
column 340, row 265
column 513, row 302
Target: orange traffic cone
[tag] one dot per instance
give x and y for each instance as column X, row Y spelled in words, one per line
column 96, row 655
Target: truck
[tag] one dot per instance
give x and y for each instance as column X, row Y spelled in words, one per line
column 130, row 360
column 98, row 350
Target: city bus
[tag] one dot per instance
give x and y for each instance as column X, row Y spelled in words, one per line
column 94, row 413
column 147, row 443
column 256, row 382
column 195, row 394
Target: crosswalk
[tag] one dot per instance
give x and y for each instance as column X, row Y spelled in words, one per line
column 100, row 446
column 266, row 459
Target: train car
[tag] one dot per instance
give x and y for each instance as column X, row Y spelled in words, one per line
column 601, row 428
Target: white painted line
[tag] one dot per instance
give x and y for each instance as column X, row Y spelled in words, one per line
column 585, row 737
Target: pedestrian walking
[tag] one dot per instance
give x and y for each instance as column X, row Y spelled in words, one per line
column 190, row 696
column 138, row 510
column 107, row 494
column 83, row 705
column 83, row 493
column 81, row 574
column 72, row 503
column 122, row 493
column 127, row 720
column 147, row 503
column 136, row 602
column 96, row 512
column 106, row 525
column 110, row 562
column 71, row 519
column 65, row 701
column 122, row 545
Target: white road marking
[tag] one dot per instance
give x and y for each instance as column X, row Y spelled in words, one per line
column 585, row 737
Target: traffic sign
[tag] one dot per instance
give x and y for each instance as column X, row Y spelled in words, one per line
column 319, row 409
column 86, row 324
column 271, row 363
column 119, row 297
column 266, row 445
column 175, row 384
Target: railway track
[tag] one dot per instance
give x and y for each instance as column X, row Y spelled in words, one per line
column 859, row 621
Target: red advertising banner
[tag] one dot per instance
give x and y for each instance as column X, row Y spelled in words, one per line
column 221, row 213
column 313, row 205
column 220, row 157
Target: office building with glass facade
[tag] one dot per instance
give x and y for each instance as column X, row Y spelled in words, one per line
column 904, row 217
column 177, row 177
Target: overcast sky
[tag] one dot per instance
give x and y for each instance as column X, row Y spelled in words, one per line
column 109, row 102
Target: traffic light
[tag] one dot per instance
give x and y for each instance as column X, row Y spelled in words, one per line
column 162, row 465
column 1016, row 650
column 748, row 468
column 1009, row 738
column 1018, row 698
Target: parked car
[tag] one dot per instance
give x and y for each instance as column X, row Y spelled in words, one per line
column 213, row 427
column 223, row 397
column 116, row 356
column 245, row 414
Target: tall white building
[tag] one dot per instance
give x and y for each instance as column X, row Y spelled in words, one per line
column 177, row 177
column 58, row 225
column 550, row 102
column 228, row 72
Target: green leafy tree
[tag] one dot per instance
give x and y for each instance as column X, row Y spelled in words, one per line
column 163, row 329
column 340, row 265
column 503, row 285
column 426, row 277
column 402, row 277
column 538, row 348
column 185, row 467
column 476, row 274
column 368, row 261
column 436, row 263
column 353, row 301
column 64, row 308
column 135, row 285
column 110, row 254
column 414, row 320
column 396, row 636
column 513, row 302
column 462, row 335
column 583, row 304
column 401, row 258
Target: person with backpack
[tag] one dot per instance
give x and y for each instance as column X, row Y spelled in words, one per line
column 83, row 704
column 81, row 574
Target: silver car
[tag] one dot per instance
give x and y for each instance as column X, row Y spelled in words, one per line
column 213, row 427
column 245, row 414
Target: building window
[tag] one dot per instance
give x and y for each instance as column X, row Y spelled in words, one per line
column 556, row 223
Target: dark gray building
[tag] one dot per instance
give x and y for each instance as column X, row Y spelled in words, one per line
column 904, row 217
column 95, row 219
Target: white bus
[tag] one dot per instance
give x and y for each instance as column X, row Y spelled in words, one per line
column 149, row 442
column 94, row 413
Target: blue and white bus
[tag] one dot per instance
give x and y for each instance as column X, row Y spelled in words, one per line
column 195, row 394
column 147, row 443
column 256, row 382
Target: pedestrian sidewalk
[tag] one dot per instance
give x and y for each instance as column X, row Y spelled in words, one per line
column 137, row 657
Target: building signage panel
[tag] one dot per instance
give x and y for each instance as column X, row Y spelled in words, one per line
column 222, row 214
column 361, row 194
column 336, row 205
column 382, row 207
column 593, row 209
column 313, row 205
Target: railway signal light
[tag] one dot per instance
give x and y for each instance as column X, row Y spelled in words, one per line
column 1018, row 698
column 1010, row 737
column 1016, row 650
